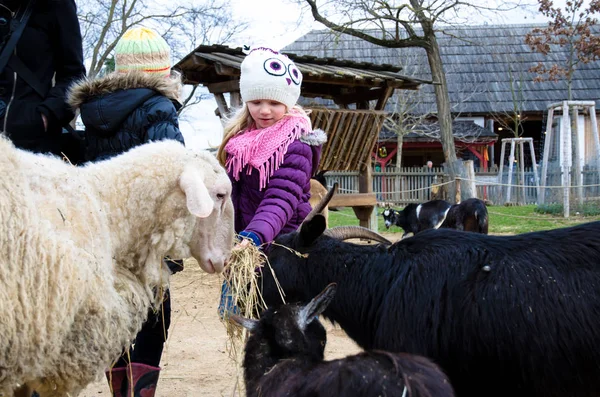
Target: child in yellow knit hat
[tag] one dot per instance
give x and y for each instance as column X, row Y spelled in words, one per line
column 135, row 104
column 142, row 49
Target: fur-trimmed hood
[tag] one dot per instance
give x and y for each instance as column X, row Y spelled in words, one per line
column 86, row 89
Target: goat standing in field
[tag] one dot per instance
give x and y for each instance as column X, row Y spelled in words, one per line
column 415, row 218
column 470, row 216
column 284, row 357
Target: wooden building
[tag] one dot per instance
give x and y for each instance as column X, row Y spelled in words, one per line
column 487, row 70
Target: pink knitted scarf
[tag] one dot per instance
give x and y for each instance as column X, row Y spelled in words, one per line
column 264, row 149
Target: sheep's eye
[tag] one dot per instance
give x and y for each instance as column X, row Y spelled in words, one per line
column 220, row 196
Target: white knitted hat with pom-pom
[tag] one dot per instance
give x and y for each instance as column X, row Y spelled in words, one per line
column 268, row 74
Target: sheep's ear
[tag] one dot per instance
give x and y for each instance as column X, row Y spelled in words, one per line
column 316, row 306
column 312, row 229
column 198, row 200
column 247, row 323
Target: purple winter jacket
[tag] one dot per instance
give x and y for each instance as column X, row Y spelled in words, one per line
column 283, row 204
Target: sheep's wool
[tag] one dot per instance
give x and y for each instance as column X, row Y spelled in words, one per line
column 80, row 258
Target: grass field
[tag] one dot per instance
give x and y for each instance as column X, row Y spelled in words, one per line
column 503, row 220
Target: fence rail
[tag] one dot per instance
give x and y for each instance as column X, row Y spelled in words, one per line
column 412, row 185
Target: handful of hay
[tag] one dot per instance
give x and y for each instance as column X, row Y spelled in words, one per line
column 241, row 277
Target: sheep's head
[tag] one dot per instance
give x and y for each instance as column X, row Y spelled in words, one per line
column 207, row 190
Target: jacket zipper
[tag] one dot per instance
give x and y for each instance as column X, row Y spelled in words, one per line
column 12, row 96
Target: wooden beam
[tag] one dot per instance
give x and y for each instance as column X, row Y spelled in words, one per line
column 235, row 99
column 200, row 61
column 359, row 96
column 222, row 104
column 224, row 86
column 226, row 70
column 353, row 200
column 385, row 95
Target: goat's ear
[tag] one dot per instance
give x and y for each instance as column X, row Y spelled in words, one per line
column 312, row 229
column 247, row 323
column 316, row 306
column 198, row 200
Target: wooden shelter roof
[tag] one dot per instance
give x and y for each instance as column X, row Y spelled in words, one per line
column 218, row 68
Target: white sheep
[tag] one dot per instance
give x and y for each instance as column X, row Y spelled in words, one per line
column 81, row 250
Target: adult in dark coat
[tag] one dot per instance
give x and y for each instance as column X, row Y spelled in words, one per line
column 50, row 47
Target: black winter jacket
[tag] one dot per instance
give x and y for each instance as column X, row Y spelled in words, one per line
column 50, row 43
column 121, row 111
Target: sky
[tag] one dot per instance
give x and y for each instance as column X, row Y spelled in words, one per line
column 274, row 23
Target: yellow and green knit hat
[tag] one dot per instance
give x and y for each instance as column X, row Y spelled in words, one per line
column 144, row 50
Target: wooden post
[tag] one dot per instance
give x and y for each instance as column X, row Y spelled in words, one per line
column 235, row 99
column 595, row 134
column 566, row 158
column 500, row 171
column 511, row 163
column 535, row 170
column 470, row 174
column 594, row 123
column 222, row 104
column 365, row 185
column 457, row 190
column 522, row 168
column 578, row 166
column 547, row 142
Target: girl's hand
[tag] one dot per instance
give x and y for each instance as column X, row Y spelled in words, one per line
column 242, row 244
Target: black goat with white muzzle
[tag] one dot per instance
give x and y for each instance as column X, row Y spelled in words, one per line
column 284, row 357
column 415, row 218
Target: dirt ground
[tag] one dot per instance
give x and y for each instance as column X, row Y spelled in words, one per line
column 195, row 361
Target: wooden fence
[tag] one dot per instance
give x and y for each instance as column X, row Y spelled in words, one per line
column 412, row 185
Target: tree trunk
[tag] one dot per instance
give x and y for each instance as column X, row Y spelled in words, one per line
column 399, row 142
column 438, row 76
column 442, row 101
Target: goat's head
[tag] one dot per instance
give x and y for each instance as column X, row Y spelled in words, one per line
column 291, row 330
column 389, row 217
column 291, row 251
column 207, row 190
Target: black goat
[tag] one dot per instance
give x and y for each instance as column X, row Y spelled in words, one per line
column 470, row 215
column 284, row 357
column 415, row 218
column 502, row 315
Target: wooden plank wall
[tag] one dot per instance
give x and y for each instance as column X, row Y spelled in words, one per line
column 351, row 137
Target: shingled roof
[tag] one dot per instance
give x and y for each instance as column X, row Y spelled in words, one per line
column 480, row 63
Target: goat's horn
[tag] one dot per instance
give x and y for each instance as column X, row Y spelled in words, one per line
column 323, row 203
column 348, row 232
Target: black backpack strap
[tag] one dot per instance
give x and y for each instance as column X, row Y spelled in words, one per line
column 27, row 75
column 17, row 26
column 7, row 56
